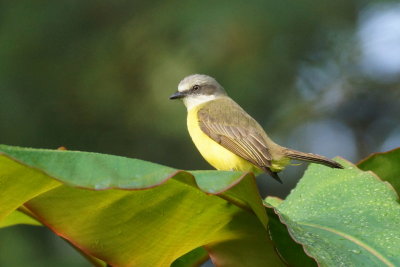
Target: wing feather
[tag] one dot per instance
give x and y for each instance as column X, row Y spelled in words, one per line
column 235, row 130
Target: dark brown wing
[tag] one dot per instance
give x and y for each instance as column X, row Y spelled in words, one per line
column 229, row 125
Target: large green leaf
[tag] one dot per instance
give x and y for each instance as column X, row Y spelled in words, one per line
column 386, row 165
column 18, row 217
column 290, row 251
column 19, row 185
column 343, row 217
column 168, row 218
column 91, row 170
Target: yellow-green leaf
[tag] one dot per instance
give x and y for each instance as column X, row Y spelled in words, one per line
column 129, row 212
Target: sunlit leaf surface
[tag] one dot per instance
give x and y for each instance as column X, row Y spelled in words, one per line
column 386, row 165
column 17, row 217
column 343, row 217
column 145, row 214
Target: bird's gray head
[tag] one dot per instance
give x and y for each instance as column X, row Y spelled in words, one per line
column 197, row 89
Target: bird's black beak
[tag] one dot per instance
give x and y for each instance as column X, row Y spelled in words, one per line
column 177, row 95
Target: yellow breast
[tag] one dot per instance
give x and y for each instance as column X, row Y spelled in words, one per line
column 215, row 154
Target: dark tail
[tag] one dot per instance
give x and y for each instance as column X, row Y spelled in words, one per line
column 294, row 154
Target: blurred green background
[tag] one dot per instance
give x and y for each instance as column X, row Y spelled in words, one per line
column 319, row 76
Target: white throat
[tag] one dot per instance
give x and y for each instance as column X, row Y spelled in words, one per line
column 195, row 100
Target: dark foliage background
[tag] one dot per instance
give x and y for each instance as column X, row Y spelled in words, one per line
column 320, row 76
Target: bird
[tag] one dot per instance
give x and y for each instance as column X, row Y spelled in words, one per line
column 227, row 137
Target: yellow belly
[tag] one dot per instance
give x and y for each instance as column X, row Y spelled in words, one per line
column 215, row 154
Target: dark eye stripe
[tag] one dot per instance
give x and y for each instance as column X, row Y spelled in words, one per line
column 194, row 88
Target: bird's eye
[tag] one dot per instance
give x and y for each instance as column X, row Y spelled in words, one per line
column 195, row 87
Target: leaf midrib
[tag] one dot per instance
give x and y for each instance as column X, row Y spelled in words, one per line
column 354, row 240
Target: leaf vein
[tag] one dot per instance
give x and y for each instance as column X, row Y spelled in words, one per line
column 354, row 240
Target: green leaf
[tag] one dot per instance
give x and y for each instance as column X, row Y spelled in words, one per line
column 19, row 185
column 91, row 170
column 192, row 259
column 343, row 217
column 223, row 183
column 18, row 217
column 386, row 165
column 245, row 251
column 168, row 218
column 290, row 251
